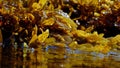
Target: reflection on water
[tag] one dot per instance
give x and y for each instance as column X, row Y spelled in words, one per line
column 56, row 57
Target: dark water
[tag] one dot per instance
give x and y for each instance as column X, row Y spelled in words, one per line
column 55, row 57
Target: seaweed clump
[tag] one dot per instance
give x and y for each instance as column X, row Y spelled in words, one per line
column 74, row 24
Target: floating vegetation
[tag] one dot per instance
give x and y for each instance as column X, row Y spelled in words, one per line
column 66, row 25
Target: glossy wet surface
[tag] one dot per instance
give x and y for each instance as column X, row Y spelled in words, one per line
column 55, row 57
